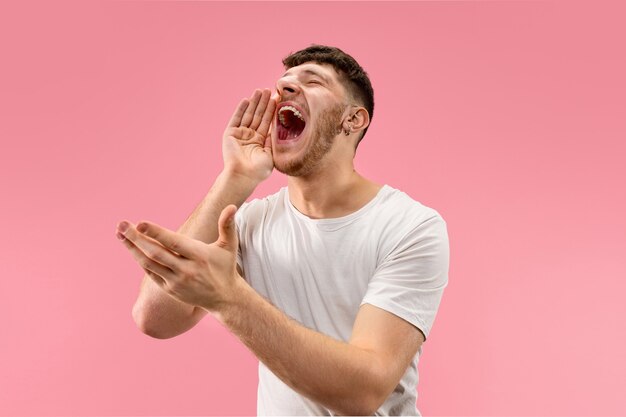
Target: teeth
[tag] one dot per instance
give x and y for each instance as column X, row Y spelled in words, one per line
column 295, row 111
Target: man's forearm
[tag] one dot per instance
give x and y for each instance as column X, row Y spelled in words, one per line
column 340, row 376
column 227, row 189
column 155, row 311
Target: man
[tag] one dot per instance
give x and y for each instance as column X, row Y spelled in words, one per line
column 333, row 282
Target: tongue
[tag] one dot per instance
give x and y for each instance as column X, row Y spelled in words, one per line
column 293, row 127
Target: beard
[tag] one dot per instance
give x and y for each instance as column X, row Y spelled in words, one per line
column 329, row 125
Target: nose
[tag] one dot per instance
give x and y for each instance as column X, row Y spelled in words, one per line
column 287, row 86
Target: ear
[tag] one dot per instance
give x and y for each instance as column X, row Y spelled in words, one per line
column 357, row 120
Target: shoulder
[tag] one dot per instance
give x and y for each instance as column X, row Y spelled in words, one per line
column 398, row 208
column 259, row 208
column 403, row 222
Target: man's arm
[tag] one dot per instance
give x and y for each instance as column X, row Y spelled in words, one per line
column 352, row 378
column 247, row 162
column 348, row 378
column 157, row 313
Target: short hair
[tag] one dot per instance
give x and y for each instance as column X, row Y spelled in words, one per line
column 351, row 74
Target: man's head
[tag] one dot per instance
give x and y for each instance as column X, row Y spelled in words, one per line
column 324, row 95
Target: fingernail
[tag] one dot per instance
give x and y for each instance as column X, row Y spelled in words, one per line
column 120, row 236
column 142, row 227
column 123, row 227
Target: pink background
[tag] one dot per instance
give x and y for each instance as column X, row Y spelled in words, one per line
column 509, row 118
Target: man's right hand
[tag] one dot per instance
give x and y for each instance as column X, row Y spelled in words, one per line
column 247, row 152
column 247, row 145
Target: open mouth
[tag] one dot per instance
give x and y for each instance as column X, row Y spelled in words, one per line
column 290, row 124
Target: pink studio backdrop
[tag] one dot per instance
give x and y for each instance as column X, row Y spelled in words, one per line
column 509, row 118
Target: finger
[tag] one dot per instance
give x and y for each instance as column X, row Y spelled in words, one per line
column 268, row 118
column 227, row 238
column 152, row 249
column 176, row 242
column 235, row 120
column 260, row 109
column 155, row 270
column 249, row 114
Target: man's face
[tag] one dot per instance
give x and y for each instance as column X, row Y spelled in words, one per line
column 310, row 110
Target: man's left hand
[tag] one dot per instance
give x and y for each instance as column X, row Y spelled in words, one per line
column 196, row 273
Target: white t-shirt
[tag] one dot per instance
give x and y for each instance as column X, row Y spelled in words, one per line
column 392, row 253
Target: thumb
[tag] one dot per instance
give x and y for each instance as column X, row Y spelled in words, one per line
column 227, row 229
column 267, row 145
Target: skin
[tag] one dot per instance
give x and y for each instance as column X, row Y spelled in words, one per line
column 193, row 272
column 321, row 144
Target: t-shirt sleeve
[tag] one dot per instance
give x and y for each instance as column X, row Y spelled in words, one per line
column 411, row 279
column 241, row 225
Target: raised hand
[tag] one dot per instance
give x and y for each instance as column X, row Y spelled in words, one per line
column 246, row 144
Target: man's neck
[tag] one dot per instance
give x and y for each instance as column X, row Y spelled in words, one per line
column 331, row 192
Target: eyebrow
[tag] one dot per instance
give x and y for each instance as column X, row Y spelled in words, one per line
column 310, row 72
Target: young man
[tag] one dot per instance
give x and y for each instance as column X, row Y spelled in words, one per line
column 333, row 282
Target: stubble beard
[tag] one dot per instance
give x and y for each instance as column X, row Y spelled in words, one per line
column 322, row 141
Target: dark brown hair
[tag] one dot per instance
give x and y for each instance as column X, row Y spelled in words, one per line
column 352, row 75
